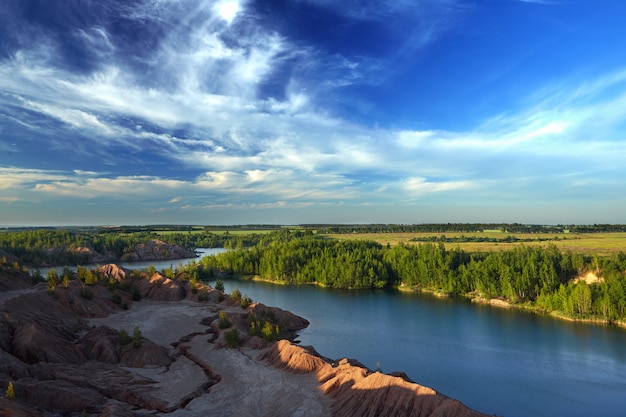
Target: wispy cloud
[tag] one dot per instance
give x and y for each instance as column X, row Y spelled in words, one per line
column 197, row 100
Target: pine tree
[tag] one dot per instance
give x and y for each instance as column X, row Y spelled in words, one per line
column 137, row 337
column 10, row 393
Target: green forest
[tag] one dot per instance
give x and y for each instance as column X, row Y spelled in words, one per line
column 533, row 277
column 541, row 278
column 465, row 228
column 57, row 246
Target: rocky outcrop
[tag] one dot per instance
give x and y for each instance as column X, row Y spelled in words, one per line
column 115, row 272
column 357, row 391
column 159, row 288
column 155, row 287
column 91, row 255
column 102, row 344
column 287, row 319
column 157, row 250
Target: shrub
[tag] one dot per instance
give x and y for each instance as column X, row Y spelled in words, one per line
column 265, row 329
column 169, row 272
column 124, row 338
column 223, row 322
column 236, row 294
column 137, row 337
column 113, row 284
column 90, row 277
column 10, row 392
column 203, row 295
column 117, row 299
column 53, row 278
column 219, row 285
column 270, row 332
column 269, row 315
column 245, row 301
column 232, row 338
column 67, row 273
column 86, row 293
column 36, row 277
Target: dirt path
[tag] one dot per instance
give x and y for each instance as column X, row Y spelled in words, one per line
column 7, row 295
column 247, row 386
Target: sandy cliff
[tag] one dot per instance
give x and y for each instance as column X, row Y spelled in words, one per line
column 157, row 250
column 357, row 391
column 65, row 354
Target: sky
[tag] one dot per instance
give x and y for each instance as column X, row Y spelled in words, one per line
column 133, row 112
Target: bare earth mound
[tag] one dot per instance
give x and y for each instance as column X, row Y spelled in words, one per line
column 92, row 350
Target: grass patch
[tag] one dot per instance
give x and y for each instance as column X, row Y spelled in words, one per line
column 603, row 244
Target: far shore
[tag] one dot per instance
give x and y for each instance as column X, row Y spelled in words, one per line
column 494, row 302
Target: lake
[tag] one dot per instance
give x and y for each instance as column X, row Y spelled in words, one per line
column 141, row 265
column 510, row 363
column 504, row 362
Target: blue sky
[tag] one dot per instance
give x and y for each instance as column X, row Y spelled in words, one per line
column 312, row 111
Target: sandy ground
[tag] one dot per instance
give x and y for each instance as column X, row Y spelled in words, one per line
column 247, row 387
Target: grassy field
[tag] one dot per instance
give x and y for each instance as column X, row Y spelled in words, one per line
column 603, row 244
column 242, row 232
column 196, row 230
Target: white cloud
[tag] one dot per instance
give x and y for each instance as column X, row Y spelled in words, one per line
column 13, row 178
column 77, row 119
column 98, row 40
column 285, row 149
column 419, row 186
column 227, row 10
column 118, row 187
column 224, row 187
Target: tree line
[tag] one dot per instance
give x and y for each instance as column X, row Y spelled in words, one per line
column 464, row 228
column 58, row 246
column 542, row 278
column 483, row 238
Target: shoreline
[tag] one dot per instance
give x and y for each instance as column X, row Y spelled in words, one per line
column 504, row 304
column 493, row 302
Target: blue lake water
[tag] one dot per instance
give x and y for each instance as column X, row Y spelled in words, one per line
column 141, row 265
column 504, row 362
column 510, row 363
